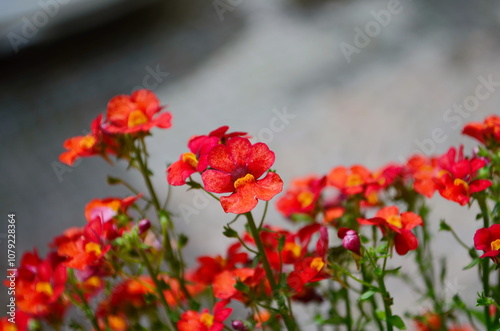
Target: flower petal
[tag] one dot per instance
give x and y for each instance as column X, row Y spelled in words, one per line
column 260, row 159
column 217, row 181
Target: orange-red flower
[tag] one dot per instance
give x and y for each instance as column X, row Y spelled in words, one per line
column 236, row 169
column 302, row 196
column 423, row 170
column 212, row 266
column 196, row 160
column 224, row 282
column 138, row 112
column 39, row 287
column 350, row 181
column 488, row 240
column 457, row 180
column 487, row 132
column 194, row 321
column 107, row 208
column 310, row 268
column 390, row 221
column 96, row 142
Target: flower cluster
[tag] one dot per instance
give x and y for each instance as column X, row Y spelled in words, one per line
column 124, row 269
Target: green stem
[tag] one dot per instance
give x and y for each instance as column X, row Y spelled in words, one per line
column 486, row 262
column 287, row 318
column 348, row 318
column 154, row 277
column 386, row 297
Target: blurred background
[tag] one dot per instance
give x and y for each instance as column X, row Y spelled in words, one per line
column 346, row 82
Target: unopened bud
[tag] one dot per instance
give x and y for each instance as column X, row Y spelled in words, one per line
column 144, row 226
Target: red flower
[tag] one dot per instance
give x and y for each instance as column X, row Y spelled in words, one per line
column 135, row 113
column 423, row 170
column 107, row 208
column 456, row 181
column 211, row 267
column 310, row 268
column 236, row 169
column 95, row 143
column 223, row 284
column 389, row 220
column 194, row 321
column 350, row 181
column 488, row 240
column 40, row 285
column 302, row 196
column 487, row 133
column 196, row 160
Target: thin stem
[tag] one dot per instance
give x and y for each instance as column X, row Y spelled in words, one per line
column 486, row 262
column 154, row 277
column 348, row 317
column 263, row 215
column 287, row 318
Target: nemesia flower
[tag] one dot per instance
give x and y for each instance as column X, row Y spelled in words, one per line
column 138, row 112
column 86, row 247
column 429, row 322
column 237, row 168
column 302, row 196
column 261, row 317
column 487, row 132
column 21, row 322
column 96, row 142
column 311, row 268
column 196, row 160
column 224, row 282
column 194, row 321
column 457, row 180
column 423, row 170
column 488, row 240
column 40, row 285
column 350, row 240
column 212, row 266
column 350, row 181
column 107, row 208
column 390, row 221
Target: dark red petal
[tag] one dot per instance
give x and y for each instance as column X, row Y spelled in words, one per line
column 260, row 159
column 220, row 158
column 405, row 241
column 217, row 181
column 178, row 172
column 239, row 149
column 479, row 185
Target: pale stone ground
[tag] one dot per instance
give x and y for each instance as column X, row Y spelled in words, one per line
column 264, row 58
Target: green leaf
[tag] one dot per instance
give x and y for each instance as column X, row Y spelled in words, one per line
column 472, row 264
column 113, row 180
column 367, row 295
column 397, row 322
column 443, row 226
column 299, row 218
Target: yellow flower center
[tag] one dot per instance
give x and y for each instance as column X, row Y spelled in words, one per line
column 135, row 118
column 87, row 142
column 305, row 198
column 115, row 205
column 44, row 287
column 117, row 323
column 207, row 320
column 354, row 180
column 460, row 182
column 372, row 198
column 93, row 247
column 294, row 248
column 395, row 220
column 249, row 178
column 317, row 263
column 190, row 159
column 93, row 282
column 495, row 245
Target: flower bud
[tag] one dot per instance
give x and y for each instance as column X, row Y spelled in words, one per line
column 144, row 226
column 239, row 325
column 350, row 240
